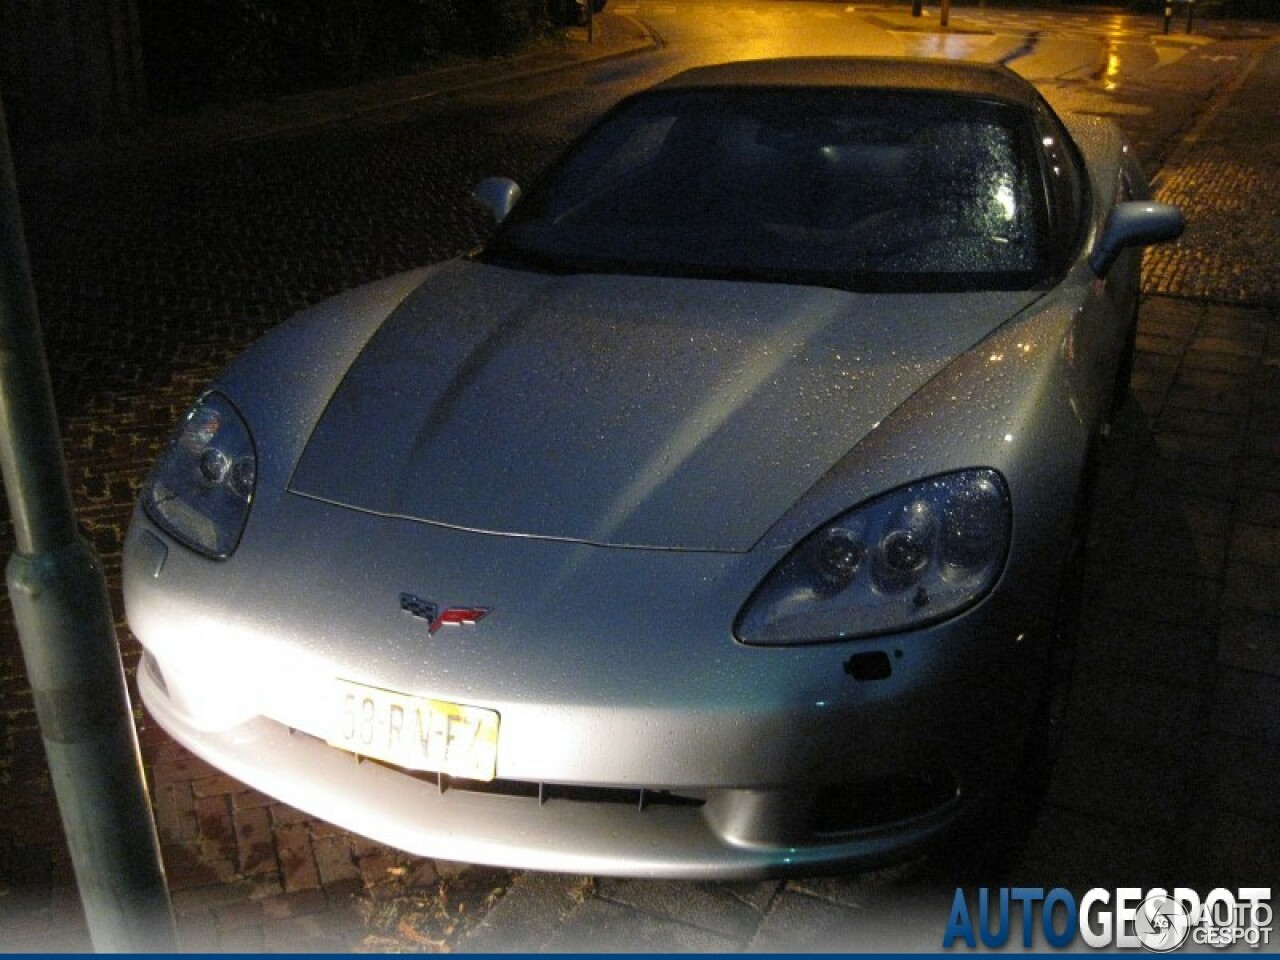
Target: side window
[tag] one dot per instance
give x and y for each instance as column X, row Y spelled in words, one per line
column 1065, row 186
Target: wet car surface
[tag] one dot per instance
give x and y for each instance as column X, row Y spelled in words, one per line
column 717, row 518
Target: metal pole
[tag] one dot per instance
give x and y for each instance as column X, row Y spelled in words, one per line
column 67, row 633
column 945, row 16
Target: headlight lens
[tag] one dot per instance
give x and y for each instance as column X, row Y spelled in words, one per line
column 202, row 485
column 904, row 560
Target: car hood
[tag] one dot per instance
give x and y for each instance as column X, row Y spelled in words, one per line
column 623, row 411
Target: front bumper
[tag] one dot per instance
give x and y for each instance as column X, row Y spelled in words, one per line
column 617, row 833
column 674, row 752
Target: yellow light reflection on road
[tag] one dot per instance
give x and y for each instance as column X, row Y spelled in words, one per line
column 1111, row 74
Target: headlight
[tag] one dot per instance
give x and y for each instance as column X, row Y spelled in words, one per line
column 200, row 489
column 904, row 560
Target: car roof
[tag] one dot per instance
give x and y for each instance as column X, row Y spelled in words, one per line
column 983, row 80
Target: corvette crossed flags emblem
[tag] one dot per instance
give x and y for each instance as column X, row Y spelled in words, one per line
column 437, row 617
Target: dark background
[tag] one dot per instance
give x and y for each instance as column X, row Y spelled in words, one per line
column 71, row 68
column 101, row 68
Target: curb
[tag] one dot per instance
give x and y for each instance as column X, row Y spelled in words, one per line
column 646, row 42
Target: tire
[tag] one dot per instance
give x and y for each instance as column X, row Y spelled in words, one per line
column 1051, row 717
column 1124, row 368
column 1049, row 722
column 989, row 844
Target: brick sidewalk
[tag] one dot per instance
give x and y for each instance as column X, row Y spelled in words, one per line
column 141, row 253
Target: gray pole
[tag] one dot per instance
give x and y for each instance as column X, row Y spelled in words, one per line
column 63, row 613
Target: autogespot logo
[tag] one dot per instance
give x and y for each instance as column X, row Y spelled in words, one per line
column 1162, row 924
column 1127, row 918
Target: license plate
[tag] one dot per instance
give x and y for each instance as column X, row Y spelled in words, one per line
column 415, row 732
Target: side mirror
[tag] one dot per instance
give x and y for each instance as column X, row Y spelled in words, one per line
column 497, row 195
column 1134, row 224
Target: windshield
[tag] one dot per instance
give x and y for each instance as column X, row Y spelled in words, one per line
column 856, row 189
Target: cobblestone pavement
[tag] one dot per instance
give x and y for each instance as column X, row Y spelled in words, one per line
column 150, row 277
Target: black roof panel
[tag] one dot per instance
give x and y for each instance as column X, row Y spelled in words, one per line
column 988, row 80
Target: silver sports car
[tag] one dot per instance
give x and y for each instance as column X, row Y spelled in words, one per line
column 720, row 517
